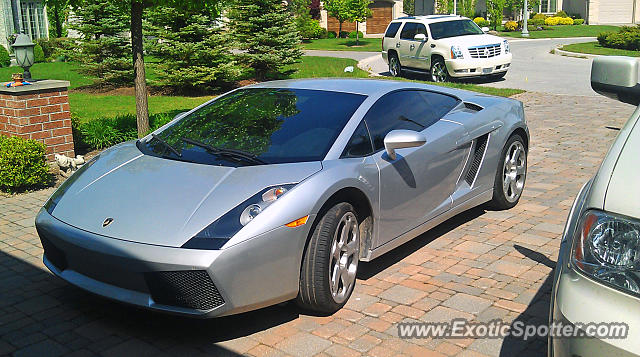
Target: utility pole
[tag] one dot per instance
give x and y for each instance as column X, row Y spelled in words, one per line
column 525, row 10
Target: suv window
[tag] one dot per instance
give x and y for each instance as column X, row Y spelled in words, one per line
column 455, row 28
column 408, row 31
column 421, row 28
column 408, row 109
column 360, row 143
column 392, row 30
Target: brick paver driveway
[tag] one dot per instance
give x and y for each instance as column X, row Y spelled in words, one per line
column 480, row 265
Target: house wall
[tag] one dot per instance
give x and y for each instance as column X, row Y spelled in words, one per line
column 605, row 11
column 331, row 24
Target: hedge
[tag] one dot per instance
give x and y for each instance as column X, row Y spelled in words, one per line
column 22, row 164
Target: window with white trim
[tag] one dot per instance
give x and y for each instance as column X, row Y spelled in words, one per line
column 32, row 19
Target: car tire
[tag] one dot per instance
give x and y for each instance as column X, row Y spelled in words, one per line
column 439, row 72
column 395, row 68
column 511, row 174
column 330, row 261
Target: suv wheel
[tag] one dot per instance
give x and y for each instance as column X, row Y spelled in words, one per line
column 439, row 72
column 394, row 66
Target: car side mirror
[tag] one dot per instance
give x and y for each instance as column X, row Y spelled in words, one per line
column 401, row 139
column 420, row 37
column 616, row 77
column 485, row 29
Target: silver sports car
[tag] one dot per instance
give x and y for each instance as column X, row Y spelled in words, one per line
column 276, row 191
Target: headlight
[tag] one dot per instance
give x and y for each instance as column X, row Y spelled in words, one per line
column 52, row 202
column 506, row 46
column 456, row 52
column 215, row 235
column 607, row 248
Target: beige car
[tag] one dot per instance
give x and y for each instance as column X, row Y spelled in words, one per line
column 446, row 46
column 597, row 277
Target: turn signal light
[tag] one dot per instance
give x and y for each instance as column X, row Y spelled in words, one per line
column 298, row 222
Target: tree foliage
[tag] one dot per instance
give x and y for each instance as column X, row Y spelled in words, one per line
column 193, row 52
column 336, row 9
column 57, row 11
column 103, row 47
column 468, row 8
column 357, row 11
column 495, row 9
column 409, row 7
column 265, row 31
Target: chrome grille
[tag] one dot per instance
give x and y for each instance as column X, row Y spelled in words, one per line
column 487, row 51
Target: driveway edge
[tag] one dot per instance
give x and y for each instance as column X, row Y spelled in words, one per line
column 365, row 65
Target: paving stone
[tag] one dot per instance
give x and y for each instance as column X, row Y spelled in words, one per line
column 467, row 303
column 303, row 344
column 402, row 295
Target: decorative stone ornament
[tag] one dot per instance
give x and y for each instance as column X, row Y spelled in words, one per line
column 68, row 165
column 23, row 49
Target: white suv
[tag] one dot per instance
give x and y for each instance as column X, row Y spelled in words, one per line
column 446, row 46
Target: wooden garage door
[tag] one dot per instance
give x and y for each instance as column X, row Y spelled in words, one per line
column 615, row 11
column 381, row 15
column 334, row 25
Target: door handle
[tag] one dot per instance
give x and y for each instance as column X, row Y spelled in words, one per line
column 412, row 46
column 398, row 45
column 433, row 45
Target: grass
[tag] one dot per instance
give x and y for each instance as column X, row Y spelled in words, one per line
column 564, row 31
column 500, row 92
column 344, row 44
column 594, row 48
column 87, row 106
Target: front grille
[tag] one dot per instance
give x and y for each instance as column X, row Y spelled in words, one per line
column 487, row 51
column 190, row 289
column 54, row 254
column 478, row 153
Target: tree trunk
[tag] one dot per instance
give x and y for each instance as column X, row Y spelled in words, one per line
column 357, row 39
column 142, row 106
column 339, row 28
column 57, row 20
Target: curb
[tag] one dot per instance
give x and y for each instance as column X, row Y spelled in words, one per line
column 364, row 65
column 559, row 52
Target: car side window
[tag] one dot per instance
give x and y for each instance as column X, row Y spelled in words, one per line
column 407, row 109
column 421, row 29
column 360, row 143
column 408, row 31
column 393, row 29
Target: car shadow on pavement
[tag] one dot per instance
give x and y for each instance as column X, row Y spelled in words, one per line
column 42, row 315
column 424, row 76
column 536, row 313
column 370, row 269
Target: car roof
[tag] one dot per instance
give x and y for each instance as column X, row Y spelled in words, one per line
column 429, row 19
column 363, row 86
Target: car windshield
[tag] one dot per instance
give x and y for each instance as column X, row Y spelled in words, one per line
column 257, row 126
column 454, row 28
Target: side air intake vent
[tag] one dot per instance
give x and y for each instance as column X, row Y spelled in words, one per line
column 472, row 107
column 191, row 289
column 478, row 153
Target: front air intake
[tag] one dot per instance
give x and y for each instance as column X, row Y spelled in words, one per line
column 190, row 289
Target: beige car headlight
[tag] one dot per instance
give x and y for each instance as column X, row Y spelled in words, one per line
column 607, row 248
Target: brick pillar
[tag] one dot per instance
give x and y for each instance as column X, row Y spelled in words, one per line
column 40, row 112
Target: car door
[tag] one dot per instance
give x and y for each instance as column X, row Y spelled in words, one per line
column 406, row 45
column 422, row 53
column 418, row 184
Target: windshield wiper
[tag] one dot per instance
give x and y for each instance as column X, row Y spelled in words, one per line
column 231, row 153
column 166, row 144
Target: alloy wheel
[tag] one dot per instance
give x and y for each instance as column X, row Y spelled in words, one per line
column 514, row 171
column 343, row 262
column 439, row 72
column 394, row 66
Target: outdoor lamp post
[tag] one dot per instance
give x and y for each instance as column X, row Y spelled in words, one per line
column 23, row 49
column 525, row 27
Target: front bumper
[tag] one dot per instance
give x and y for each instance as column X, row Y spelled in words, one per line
column 576, row 298
column 475, row 67
column 255, row 273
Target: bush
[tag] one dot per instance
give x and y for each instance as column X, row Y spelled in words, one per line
column 561, row 14
column 53, row 47
column 578, row 21
column 536, row 22
column 565, row 21
column 510, row 26
column 38, row 54
column 627, row 38
column 5, row 59
column 309, row 28
column 480, row 21
column 552, row 21
column 332, row 34
column 352, row 34
column 344, row 34
column 22, row 164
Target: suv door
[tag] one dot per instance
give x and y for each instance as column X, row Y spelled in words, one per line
column 417, row 186
column 389, row 40
column 406, row 44
column 422, row 54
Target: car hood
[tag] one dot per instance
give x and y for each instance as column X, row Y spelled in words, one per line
column 622, row 191
column 472, row 40
column 160, row 201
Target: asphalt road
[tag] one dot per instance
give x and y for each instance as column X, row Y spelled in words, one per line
column 533, row 68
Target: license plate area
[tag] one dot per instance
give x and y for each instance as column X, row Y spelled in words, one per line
column 487, row 70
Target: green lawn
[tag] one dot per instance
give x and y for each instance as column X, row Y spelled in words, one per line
column 594, row 48
column 564, row 31
column 86, row 106
column 344, row 44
